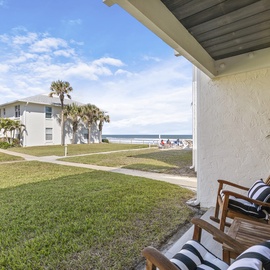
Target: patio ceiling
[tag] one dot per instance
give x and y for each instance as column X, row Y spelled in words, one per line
column 220, row 37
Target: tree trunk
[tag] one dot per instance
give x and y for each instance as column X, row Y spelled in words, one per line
column 100, row 136
column 89, row 134
column 62, row 129
column 74, row 137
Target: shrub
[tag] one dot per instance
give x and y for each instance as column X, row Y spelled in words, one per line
column 5, row 145
column 105, row 140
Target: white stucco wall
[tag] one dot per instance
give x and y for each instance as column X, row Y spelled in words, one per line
column 33, row 117
column 233, row 115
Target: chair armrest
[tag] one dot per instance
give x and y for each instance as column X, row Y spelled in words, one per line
column 225, row 182
column 218, row 235
column 267, row 181
column 155, row 258
column 228, row 193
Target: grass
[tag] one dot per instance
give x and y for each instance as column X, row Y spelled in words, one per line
column 56, row 217
column 6, row 157
column 75, row 149
column 153, row 160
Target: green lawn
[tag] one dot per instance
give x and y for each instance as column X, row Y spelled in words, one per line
column 74, row 149
column 6, row 157
column 57, row 217
column 153, row 160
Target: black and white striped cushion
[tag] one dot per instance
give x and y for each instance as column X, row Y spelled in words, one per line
column 194, row 256
column 254, row 258
column 247, row 208
column 259, row 191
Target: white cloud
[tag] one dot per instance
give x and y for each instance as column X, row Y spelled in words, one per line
column 74, row 22
column 4, row 68
column 48, row 44
column 123, row 72
column 65, row 53
column 151, row 58
column 155, row 99
column 108, row 61
column 4, row 38
column 80, row 43
column 27, row 39
column 158, row 98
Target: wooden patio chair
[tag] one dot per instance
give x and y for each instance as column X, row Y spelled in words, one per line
column 194, row 255
column 231, row 204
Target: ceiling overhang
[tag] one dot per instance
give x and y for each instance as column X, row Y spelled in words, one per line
column 161, row 21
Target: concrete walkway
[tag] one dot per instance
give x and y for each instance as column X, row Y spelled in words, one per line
column 187, row 182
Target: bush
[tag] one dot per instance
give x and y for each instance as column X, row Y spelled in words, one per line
column 5, row 145
column 105, row 140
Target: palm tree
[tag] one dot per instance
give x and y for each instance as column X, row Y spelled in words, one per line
column 90, row 113
column 6, row 124
column 61, row 89
column 16, row 126
column 11, row 126
column 73, row 114
column 102, row 117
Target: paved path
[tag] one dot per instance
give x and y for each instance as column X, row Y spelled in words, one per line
column 187, row 182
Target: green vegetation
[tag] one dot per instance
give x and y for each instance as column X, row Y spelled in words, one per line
column 30, row 172
column 57, row 217
column 5, row 145
column 153, row 160
column 61, row 89
column 6, row 157
column 11, row 128
column 75, row 149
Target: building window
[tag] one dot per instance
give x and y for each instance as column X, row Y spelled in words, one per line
column 0, row 113
column 48, row 112
column 17, row 111
column 85, row 134
column 4, row 112
column 48, row 134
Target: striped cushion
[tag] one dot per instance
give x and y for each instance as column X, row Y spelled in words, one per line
column 194, row 256
column 259, row 191
column 254, row 258
column 246, row 207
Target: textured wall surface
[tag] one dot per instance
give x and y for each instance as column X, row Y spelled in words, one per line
column 233, row 121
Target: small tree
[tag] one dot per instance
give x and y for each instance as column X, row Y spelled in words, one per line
column 11, row 126
column 61, row 89
column 90, row 114
column 102, row 117
column 17, row 126
column 73, row 114
column 6, row 124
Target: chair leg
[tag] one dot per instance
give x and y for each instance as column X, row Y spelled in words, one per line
column 215, row 217
column 150, row 266
column 217, row 208
column 226, row 256
column 224, row 210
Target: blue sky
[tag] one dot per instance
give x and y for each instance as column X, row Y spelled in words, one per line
column 109, row 58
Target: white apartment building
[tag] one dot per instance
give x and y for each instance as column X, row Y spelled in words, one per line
column 41, row 116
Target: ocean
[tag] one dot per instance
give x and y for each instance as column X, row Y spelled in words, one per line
column 144, row 139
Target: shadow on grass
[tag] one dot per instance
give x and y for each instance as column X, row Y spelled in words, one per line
column 179, row 162
column 92, row 220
